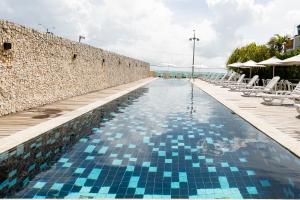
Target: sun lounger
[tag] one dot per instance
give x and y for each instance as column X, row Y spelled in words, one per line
column 216, row 78
column 259, row 89
column 250, row 84
column 220, row 80
column 239, row 81
column 282, row 95
column 297, row 107
column 231, row 77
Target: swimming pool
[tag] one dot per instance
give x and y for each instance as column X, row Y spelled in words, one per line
column 169, row 140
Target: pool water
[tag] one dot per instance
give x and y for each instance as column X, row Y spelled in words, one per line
column 174, row 141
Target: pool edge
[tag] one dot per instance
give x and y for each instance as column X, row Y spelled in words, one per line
column 281, row 138
column 25, row 135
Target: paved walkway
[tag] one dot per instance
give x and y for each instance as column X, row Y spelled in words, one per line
column 281, row 123
column 19, row 127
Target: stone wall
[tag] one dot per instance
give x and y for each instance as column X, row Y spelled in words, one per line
column 41, row 68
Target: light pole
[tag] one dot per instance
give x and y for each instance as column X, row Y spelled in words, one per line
column 81, row 38
column 194, row 39
column 46, row 28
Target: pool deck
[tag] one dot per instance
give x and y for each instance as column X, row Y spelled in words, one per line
column 281, row 123
column 20, row 127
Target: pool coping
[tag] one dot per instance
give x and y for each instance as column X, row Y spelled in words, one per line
column 25, row 135
column 284, row 140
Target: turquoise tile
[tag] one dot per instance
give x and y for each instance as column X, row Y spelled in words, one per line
column 252, row 190
column 174, row 153
column 80, row 181
column 250, row 173
column 243, row 159
column 12, row 182
column 139, row 191
column 133, row 182
column 188, row 157
column 132, row 146
column 90, row 158
column 94, row 174
column 182, row 177
column 113, row 155
column 130, row 168
column 103, row 150
column 146, row 140
column 168, row 160
column 39, row 197
column 117, row 162
column 104, row 190
column 153, row 169
column 167, row 174
column 223, row 182
column 90, row 148
column 12, row 173
column 85, row 190
column 265, row 183
column 234, row 169
column 67, row 164
column 133, row 159
column 39, row 185
column 57, row 186
column 175, row 185
column 146, row 164
column 196, row 164
column 209, row 140
column 209, row 160
column 83, row 140
column 127, row 155
column 119, row 145
column 63, row 160
column 224, row 164
column 79, row 170
column 212, row 169
column 4, row 184
column 161, row 153
column 119, row 135
column 96, row 141
column 201, row 157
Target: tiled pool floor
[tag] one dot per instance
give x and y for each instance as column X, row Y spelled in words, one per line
column 175, row 141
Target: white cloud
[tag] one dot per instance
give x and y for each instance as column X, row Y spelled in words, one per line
column 149, row 29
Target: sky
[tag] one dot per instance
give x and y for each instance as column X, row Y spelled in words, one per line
column 158, row 31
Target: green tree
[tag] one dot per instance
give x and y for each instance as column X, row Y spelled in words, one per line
column 251, row 51
column 277, row 42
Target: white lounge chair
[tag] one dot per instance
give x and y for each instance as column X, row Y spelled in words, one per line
column 221, row 79
column 248, row 85
column 259, row 89
column 231, row 77
column 297, row 107
column 215, row 78
column 282, row 95
column 239, row 81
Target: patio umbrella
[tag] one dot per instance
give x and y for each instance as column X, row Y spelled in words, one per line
column 291, row 61
column 236, row 65
column 251, row 64
column 271, row 62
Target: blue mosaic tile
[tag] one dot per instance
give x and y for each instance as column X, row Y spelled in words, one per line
column 39, row 185
column 252, row 190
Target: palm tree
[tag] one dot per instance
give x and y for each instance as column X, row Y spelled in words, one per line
column 276, row 43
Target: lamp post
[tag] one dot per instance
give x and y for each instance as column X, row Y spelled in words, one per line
column 81, row 38
column 46, row 28
column 194, row 39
